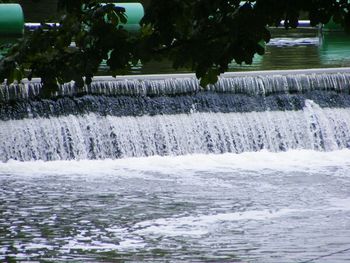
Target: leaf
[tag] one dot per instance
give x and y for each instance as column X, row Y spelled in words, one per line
column 17, row 74
column 123, row 18
column 260, row 48
column 10, row 77
column 146, row 30
column 211, row 77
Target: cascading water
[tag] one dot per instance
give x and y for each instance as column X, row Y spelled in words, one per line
column 284, row 198
column 175, row 116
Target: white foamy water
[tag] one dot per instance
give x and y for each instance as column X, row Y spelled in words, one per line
column 100, row 137
column 200, row 225
column 219, row 182
column 254, row 207
column 289, row 42
column 293, row 160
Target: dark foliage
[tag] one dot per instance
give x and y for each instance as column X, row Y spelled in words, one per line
column 204, row 35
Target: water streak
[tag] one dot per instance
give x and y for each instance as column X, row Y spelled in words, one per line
column 94, row 136
column 251, row 85
column 175, row 116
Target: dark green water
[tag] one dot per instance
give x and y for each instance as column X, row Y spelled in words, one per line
column 302, row 49
column 287, row 50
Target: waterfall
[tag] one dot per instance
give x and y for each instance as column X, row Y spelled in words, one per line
column 240, row 84
column 175, row 116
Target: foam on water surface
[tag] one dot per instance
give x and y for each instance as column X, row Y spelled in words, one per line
column 293, row 204
column 217, row 182
column 293, row 160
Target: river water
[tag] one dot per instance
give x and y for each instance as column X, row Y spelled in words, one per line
column 292, row 49
column 289, row 202
column 251, row 207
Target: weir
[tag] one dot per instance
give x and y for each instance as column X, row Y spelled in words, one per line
column 137, row 116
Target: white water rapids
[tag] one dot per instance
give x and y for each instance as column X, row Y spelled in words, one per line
column 255, row 169
column 99, row 137
column 251, row 207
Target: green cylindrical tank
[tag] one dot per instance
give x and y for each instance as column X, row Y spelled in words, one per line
column 134, row 13
column 11, row 20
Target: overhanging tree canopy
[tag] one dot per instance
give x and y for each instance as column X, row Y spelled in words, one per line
column 204, row 35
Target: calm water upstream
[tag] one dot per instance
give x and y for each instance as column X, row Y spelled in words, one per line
column 251, row 207
column 301, row 49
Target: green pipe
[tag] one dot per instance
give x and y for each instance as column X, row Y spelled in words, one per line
column 134, row 13
column 11, row 26
column 11, row 20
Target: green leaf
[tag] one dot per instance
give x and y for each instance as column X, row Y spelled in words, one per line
column 211, row 77
column 17, row 74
